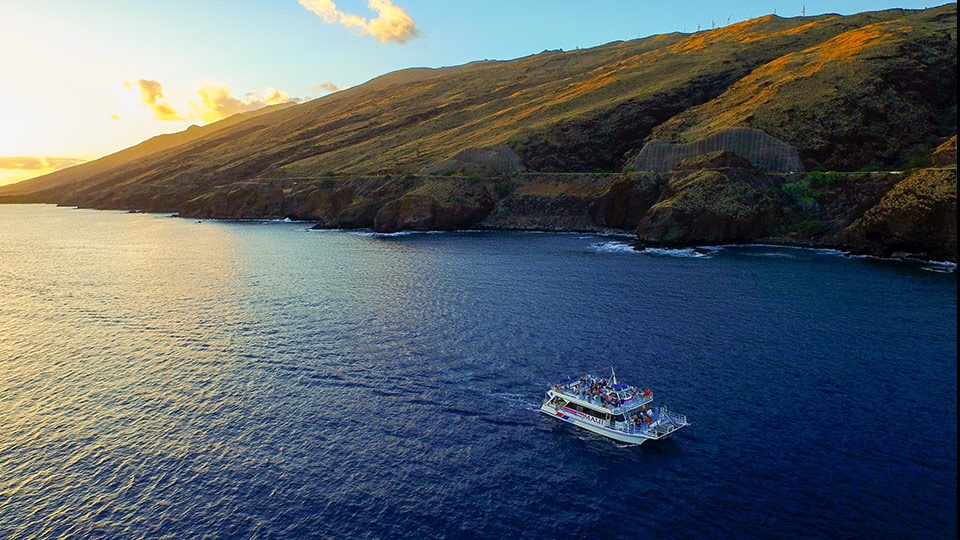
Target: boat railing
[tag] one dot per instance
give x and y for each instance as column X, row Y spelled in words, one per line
column 665, row 422
column 674, row 417
column 637, row 401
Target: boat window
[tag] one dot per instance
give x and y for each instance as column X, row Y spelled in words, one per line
column 587, row 410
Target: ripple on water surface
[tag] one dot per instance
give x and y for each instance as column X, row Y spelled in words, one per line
column 168, row 378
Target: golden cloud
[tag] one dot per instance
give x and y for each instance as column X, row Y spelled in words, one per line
column 151, row 95
column 150, row 91
column 213, row 101
column 217, row 101
column 390, row 24
column 32, row 163
column 272, row 96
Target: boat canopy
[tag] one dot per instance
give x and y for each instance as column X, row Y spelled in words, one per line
column 621, row 387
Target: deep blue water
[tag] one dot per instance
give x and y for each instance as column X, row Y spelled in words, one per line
column 164, row 378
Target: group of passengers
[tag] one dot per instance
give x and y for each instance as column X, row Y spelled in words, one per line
column 587, row 386
column 597, row 390
column 611, row 400
column 643, row 419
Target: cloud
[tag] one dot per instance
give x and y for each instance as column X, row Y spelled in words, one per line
column 151, row 95
column 324, row 87
column 150, row 91
column 390, row 24
column 208, row 102
column 33, row 163
column 272, row 96
column 217, row 101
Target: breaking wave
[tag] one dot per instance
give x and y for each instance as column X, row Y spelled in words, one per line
column 691, row 252
column 614, row 247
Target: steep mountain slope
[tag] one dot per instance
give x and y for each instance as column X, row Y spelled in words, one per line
column 876, row 94
column 55, row 183
column 871, row 89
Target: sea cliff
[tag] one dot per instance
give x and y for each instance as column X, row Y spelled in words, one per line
column 707, row 202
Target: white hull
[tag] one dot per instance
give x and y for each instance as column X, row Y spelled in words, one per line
column 561, row 405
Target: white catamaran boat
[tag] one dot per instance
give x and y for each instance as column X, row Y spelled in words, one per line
column 615, row 410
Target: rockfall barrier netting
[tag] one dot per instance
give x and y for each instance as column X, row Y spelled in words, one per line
column 765, row 152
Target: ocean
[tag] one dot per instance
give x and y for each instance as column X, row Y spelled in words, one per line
column 172, row 378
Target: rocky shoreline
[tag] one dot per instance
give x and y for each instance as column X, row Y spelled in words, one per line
column 893, row 214
column 712, row 199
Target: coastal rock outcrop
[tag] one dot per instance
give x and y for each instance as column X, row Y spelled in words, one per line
column 917, row 218
column 436, row 205
column 236, row 202
column 549, row 202
column 712, row 205
column 626, row 200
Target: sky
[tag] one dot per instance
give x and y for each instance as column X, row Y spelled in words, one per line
column 81, row 79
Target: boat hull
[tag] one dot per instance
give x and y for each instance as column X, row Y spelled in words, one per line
column 611, row 433
column 556, row 405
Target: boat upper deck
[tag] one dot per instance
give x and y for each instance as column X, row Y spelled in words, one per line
column 600, row 393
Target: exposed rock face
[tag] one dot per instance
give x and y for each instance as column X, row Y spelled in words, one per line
column 946, row 153
column 327, row 204
column 436, row 206
column 487, row 161
column 708, row 199
column 712, row 206
column 550, row 202
column 413, row 213
column 236, row 202
column 918, row 217
column 838, row 206
column 627, row 200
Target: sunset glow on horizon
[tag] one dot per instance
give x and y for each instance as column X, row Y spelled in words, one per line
column 85, row 79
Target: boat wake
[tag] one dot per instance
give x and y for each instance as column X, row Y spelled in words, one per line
column 517, row 401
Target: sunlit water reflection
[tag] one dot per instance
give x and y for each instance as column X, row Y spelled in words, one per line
column 168, row 378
